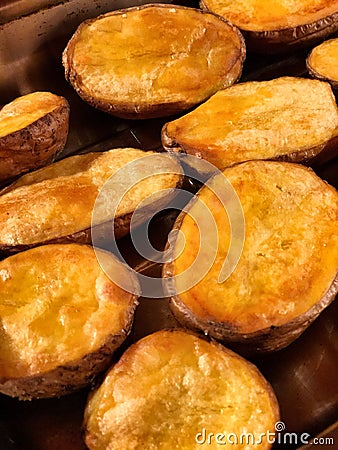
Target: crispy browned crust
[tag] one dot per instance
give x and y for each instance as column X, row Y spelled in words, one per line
column 34, row 146
column 262, row 341
column 97, row 437
column 306, row 154
column 103, row 232
column 289, row 39
column 127, row 110
column 120, row 226
column 75, row 374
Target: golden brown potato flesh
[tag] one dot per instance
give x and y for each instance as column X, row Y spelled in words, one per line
column 153, row 60
column 322, row 62
column 56, row 203
column 33, row 131
column 286, row 118
column 287, row 270
column 61, row 320
column 169, row 387
column 278, row 23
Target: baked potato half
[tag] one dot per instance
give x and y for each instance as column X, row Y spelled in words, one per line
column 322, row 62
column 55, row 204
column 287, row 262
column 280, row 26
column 61, row 320
column 288, row 118
column 172, row 389
column 152, row 60
column 33, row 131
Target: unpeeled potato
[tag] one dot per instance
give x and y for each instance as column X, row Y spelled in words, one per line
column 153, row 60
column 33, row 131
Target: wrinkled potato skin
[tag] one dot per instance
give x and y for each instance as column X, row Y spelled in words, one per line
column 34, row 146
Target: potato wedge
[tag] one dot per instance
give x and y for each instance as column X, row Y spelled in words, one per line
column 61, row 320
column 280, row 26
column 171, row 390
column 322, row 62
column 287, row 270
column 153, row 60
column 287, row 118
column 33, row 131
column 55, row 204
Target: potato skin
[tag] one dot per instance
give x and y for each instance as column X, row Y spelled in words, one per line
column 104, row 230
column 67, row 378
column 311, row 64
column 317, row 75
column 262, row 341
column 34, row 146
column 156, row 385
column 194, row 135
column 109, row 161
column 60, row 378
column 128, row 110
column 288, row 39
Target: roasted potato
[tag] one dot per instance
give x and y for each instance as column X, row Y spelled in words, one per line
column 153, row 60
column 287, row 118
column 287, row 269
column 55, row 204
column 61, row 320
column 322, row 62
column 33, row 131
column 279, row 26
column 172, row 389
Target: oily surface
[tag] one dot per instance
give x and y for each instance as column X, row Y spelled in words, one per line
column 257, row 15
column 169, row 386
column 129, row 59
column 290, row 253
column 56, row 306
column 64, row 195
column 25, row 110
column 258, row 120
column 324, row 60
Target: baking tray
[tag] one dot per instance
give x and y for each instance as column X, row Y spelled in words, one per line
column 304, row 375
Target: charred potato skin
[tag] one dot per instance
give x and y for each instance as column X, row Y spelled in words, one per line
column 67, row 378
column 127, row 111
column 289, row 39
column 34, row 146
